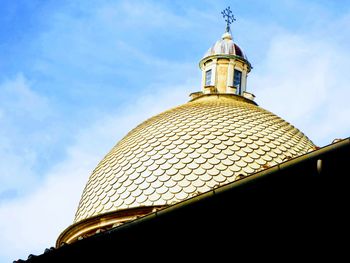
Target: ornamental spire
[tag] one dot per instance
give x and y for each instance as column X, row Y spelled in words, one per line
column 229, row 18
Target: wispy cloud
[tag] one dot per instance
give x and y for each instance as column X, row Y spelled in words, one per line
column 22, row 113
column 18, row 98
column 303, row 78
column 50, row 208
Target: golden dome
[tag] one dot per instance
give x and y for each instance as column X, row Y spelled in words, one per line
column 207, row 142
column 216, row 138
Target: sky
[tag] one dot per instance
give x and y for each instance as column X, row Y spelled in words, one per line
column 76, row 76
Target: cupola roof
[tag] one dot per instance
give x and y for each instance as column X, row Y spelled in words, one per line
column 226, row 46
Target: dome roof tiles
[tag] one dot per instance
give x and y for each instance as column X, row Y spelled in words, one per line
column 188, row 150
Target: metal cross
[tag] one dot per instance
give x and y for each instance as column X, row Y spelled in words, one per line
column 229, row 18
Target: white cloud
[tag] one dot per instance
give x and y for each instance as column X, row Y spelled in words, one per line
column 21, row 108
column 18, row 98
column 304, row 80
column 294, row 71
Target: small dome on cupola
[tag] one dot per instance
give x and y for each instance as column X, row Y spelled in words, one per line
column 225, row 46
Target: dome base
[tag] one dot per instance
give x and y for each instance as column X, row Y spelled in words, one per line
column 101, row 223
column 200, row 95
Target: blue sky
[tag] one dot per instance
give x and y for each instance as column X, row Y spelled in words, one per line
column 76, row 76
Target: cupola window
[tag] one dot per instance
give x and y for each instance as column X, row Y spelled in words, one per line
column 208, row 77
column 237, row 79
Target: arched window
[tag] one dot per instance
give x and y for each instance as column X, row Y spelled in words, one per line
column 237, row 79
column 208, row 77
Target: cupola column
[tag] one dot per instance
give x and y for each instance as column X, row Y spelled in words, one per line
column 244, row 79
column 229, row 87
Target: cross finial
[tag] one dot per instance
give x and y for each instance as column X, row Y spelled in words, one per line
column 229, row 18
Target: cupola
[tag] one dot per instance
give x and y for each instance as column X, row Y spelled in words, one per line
column 224, row 66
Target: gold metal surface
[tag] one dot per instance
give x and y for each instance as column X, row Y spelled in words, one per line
column 188, row 150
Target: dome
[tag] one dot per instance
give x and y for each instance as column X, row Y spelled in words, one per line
column 218, row 137
column 225, row 46
column 205, row 143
